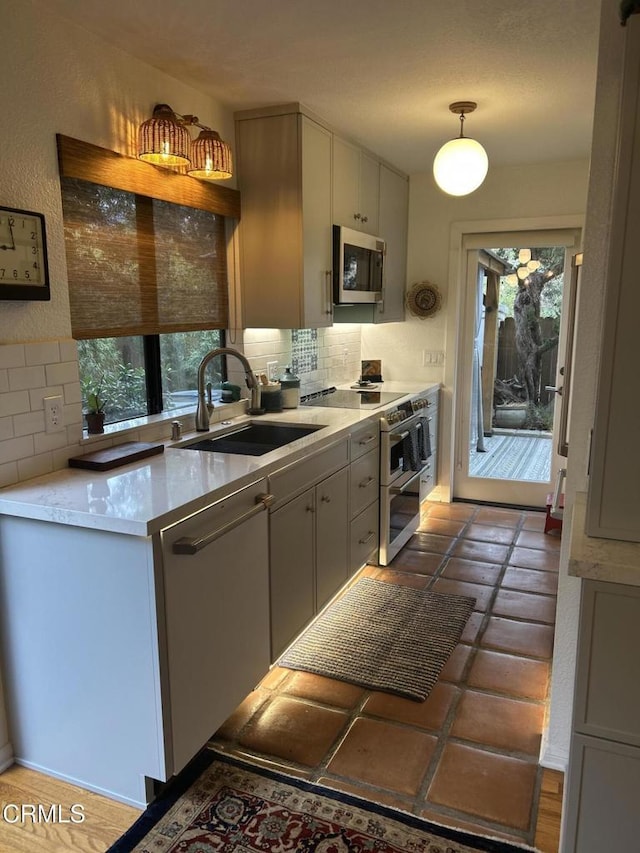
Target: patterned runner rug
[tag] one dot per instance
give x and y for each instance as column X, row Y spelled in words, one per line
column 383, row 637
column 221, row 805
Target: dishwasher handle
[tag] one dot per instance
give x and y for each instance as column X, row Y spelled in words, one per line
column 188, row 545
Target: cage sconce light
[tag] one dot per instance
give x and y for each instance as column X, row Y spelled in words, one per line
column 164, row 140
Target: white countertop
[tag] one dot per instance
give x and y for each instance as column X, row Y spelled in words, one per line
column 143, row 497
column 611, row 560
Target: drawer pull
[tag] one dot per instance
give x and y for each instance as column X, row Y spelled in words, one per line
column 325, row 499
column 310, row 509
column 188, row 545
column 367, row 440
column 365, row 483
column 367, row 538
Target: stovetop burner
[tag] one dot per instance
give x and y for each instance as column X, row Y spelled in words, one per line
column 356, row 399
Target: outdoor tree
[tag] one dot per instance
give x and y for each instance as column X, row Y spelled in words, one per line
column 534, row 297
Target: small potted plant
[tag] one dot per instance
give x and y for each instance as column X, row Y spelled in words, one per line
column 95, row 412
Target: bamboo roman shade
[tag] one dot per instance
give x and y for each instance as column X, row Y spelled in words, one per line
column 139, row 264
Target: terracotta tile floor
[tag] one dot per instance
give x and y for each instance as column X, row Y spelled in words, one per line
column 468, row 756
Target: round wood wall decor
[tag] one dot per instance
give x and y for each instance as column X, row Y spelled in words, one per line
column 424, row 299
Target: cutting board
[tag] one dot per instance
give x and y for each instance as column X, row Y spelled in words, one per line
column 114, row 457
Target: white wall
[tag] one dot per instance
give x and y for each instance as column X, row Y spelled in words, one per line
column 57, row 78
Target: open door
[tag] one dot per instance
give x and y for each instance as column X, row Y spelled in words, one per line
column 513, row 335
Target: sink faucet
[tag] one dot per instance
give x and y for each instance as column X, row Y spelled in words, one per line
column 202, row 412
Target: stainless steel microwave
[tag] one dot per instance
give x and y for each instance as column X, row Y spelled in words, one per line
column 358, row 266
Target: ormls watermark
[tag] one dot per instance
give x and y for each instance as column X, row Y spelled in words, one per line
column 38, row 813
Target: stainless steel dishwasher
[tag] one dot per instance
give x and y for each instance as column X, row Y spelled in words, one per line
column 216, row 589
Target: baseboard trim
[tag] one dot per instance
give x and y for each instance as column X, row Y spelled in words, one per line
column 6, row 757
column 554, row 760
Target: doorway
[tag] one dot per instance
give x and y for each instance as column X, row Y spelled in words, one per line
column 511, row 345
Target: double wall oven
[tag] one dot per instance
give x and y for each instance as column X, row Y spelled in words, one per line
column 408, row 441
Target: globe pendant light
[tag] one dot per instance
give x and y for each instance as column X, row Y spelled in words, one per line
column 461, row 165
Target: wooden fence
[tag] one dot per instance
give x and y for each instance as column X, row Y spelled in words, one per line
column 507, row 366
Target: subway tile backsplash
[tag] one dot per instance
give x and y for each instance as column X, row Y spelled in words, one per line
column 31, row 371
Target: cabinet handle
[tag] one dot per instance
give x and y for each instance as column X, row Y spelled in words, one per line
column 365, row 483
column 325, row 499
column 368, row 538
column 367, row 440
column 310, row 509
column 188, row 545
column 356, row 216
column 329, row 284
column 365, row 219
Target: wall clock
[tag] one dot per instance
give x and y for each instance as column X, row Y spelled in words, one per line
column 423, row 299
column 24, row 273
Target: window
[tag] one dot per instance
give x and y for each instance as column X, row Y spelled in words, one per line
column 146, row 257
column 129, row 382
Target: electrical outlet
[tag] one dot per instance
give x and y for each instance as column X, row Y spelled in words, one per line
column 427, row 357
column 272, row 370
column 53, row 414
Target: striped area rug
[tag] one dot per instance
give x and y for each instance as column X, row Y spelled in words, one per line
column 383, row 637
column 513, row 457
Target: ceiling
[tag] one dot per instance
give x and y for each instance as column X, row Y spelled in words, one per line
column 381, row 71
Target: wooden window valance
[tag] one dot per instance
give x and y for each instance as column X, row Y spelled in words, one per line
column 146, row 250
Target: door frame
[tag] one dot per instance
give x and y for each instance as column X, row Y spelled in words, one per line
column 454, row 366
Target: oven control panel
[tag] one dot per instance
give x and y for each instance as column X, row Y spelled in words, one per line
column 405, row 410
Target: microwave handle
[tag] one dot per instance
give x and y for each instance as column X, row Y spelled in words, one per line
column 328, row 275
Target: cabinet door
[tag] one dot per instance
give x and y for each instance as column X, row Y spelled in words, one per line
column 316, row 224
column 369, row 194
column 332, row 536
column 284, row 164
column 393, row 228
column 608, row 674
column 602, row 797
column 291, row 569
column 346, row 184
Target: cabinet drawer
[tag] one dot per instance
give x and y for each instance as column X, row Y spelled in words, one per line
column 287, row 482
column 365, row 482
column 364, row 439
column 364, row 538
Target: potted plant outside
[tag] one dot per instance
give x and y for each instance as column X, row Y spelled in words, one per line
column 94, row 415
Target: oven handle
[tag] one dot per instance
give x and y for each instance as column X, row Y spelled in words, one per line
column 400, row 436
column 398, row 490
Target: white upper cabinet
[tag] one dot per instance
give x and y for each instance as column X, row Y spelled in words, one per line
column 356, row 187
column 394, row 214
column 297, row 179
column 284, row 167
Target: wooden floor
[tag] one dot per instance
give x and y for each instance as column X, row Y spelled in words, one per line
column 105, row 820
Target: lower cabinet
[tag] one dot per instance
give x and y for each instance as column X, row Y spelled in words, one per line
column 120, row 657
column 603, row 782
column 308, row 556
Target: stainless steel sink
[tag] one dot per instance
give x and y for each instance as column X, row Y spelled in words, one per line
column 255, row 439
